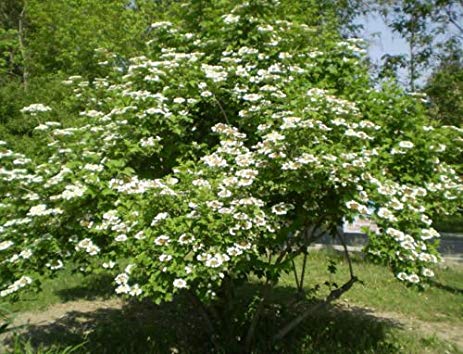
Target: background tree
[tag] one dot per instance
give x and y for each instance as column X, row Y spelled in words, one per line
column 430, row 27
column 445, row 90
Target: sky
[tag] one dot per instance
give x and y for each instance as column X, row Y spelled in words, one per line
column 382, row 40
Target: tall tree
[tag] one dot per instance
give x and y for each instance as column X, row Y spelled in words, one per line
column 430, row 27
column 445, row 90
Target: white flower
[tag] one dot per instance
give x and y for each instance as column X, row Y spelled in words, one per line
column 206, row 94
column 165, row 257
column 73, row 191
column 93, row 167
column 225, row 210
column 135, row 290
column 214, row 204
column 413, row 278
column 291, row 165
column 123, row 289
column 159, row 217
column 93, row 250
column 129, row 268
column 427, row 272
column 121, row 238
column 162, row 240
column 54, row 265
column 5, row 245
column 281, row 208
column 214, row 160
column 397, row 234
column 214, row 72
column 149, row 142
column 386, row 214
column 18, row 284
column 85, row 243
column 121, row 278
column 35, row 108
column 109, row 265
column 247, row 173
column 274, row 136
column 406, row 144
column 252, row 97
column 26, row 254
column 402, row 276
column 185, row 239
column 42, row 127
column 224, row 193
column 214, row 262
column 140, row 235
column 179, row 283
column 244, row 160
column 408, row 245
column 179, row 100
column 427, row 234
column 396, row 204
column 201, row 183
column 234, row 251
column 425, row 219
column 353, row 205
column 38, row 210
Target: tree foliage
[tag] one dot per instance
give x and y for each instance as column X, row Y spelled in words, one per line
column 240, row 136
column 432, row 29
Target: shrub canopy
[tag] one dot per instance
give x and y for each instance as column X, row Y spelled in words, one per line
column 235, row 142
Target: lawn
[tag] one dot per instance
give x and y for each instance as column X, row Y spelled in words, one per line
column 379, row 316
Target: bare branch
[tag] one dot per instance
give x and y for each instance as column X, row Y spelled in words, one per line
column 333, row 295
column 221, row 109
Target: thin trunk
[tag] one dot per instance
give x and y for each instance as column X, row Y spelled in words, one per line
column 412, row 63
column 334, row 295
column 255, row 320
column 22, row 47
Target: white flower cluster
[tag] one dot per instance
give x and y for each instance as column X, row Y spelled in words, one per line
column 213, row 260
column 150, row 141
column 55, row 265
column 35, row 108
column 122, row 280
column 5, row 245
column 133, row 185
column 42, row 210
column 18, row 284
column 87, row 245
column 214, row 72
column 71, row 191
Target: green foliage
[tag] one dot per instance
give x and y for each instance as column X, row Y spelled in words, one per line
column 240, row 136
column 445, row 90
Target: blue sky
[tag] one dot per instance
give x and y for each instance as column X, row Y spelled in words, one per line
column 382, row 40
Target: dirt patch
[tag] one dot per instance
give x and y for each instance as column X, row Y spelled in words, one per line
column 53, row 314
column 447, row 332
column 58, row 311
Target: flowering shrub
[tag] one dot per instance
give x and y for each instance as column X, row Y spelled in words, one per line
column 217, row 156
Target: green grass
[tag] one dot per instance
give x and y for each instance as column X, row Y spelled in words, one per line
column 146, row 328
column 441, row 301
column 452, row 224
column 65, row 287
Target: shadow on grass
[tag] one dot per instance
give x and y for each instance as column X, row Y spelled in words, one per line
column 177, row 327
column 94, row 287
column 445, row 287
